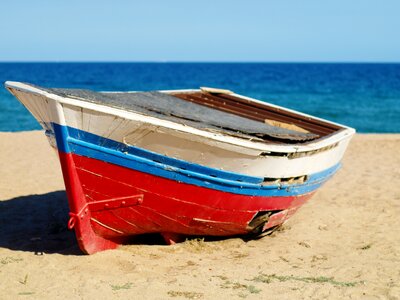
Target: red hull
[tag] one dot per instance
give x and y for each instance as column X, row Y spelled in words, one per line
column 110, row 203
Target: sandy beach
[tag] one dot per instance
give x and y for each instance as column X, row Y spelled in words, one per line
column 343, row 244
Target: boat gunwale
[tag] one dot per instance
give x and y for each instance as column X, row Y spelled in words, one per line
column 323, row 142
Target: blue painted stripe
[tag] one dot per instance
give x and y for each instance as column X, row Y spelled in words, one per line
column 64, row 132
column 97, row 147
column 61, row 134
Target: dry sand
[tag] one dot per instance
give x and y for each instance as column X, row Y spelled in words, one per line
column 343, row 244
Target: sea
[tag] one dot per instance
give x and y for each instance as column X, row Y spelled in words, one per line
column 365, row 96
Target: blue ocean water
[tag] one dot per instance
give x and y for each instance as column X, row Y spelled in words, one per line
column 363, row 96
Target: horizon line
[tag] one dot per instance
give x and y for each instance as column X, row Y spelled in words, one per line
column 199, row 62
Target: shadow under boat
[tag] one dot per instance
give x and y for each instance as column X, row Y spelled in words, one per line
column 38, row 224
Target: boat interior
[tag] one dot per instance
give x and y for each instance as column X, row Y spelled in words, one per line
column 212, row 110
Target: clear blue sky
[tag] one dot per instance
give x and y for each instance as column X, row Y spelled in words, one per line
column 184, row 30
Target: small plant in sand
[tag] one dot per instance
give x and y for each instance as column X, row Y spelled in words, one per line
column 252, row 289
column 195, row 245
column 265, row 278
column 125, row 286
column 245, row 288
column 187, row 295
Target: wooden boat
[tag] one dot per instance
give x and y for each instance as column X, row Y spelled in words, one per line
column 181, row 162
